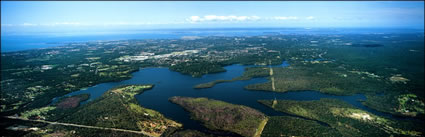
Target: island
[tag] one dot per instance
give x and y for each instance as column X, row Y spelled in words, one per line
column 249, row 73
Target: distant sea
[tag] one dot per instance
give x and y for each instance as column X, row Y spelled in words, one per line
column 10, row 43
column 26, row 42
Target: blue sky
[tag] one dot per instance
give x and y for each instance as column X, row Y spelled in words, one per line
column 50, row 16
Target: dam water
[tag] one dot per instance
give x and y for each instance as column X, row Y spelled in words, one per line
column 169, row 83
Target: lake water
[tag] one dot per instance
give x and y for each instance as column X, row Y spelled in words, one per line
column 169, row 83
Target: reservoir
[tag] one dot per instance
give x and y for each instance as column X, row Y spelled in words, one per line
column 169, row 83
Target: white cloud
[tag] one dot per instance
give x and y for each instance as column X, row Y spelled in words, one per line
column 194, row 18
column 285, row 18
column 222, row 18
column 310, row 17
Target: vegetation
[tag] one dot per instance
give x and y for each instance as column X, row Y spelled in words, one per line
column 260, row 59
column 190, row 133
column 37, row 113
column 326, row 78
column 346, row 119
column 213, row 83
column 285, row 126
column 117, row 108
column 197, row 69
column 72, row 102
column 63, row 107
column 402, row 105
column 68, row 131
column 219, row 115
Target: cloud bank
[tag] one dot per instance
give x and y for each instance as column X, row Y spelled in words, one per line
column 285, row 18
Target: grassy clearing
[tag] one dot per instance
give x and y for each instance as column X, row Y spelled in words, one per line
column 38, row 113
column 261, row 128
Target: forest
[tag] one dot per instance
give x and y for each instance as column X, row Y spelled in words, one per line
column 346, row 119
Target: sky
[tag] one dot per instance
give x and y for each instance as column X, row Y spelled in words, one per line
column 71, row 16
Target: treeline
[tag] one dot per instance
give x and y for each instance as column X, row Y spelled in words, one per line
column 197, row 68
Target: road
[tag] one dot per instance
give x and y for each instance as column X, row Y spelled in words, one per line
column 271, row 75
column 84, row 126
